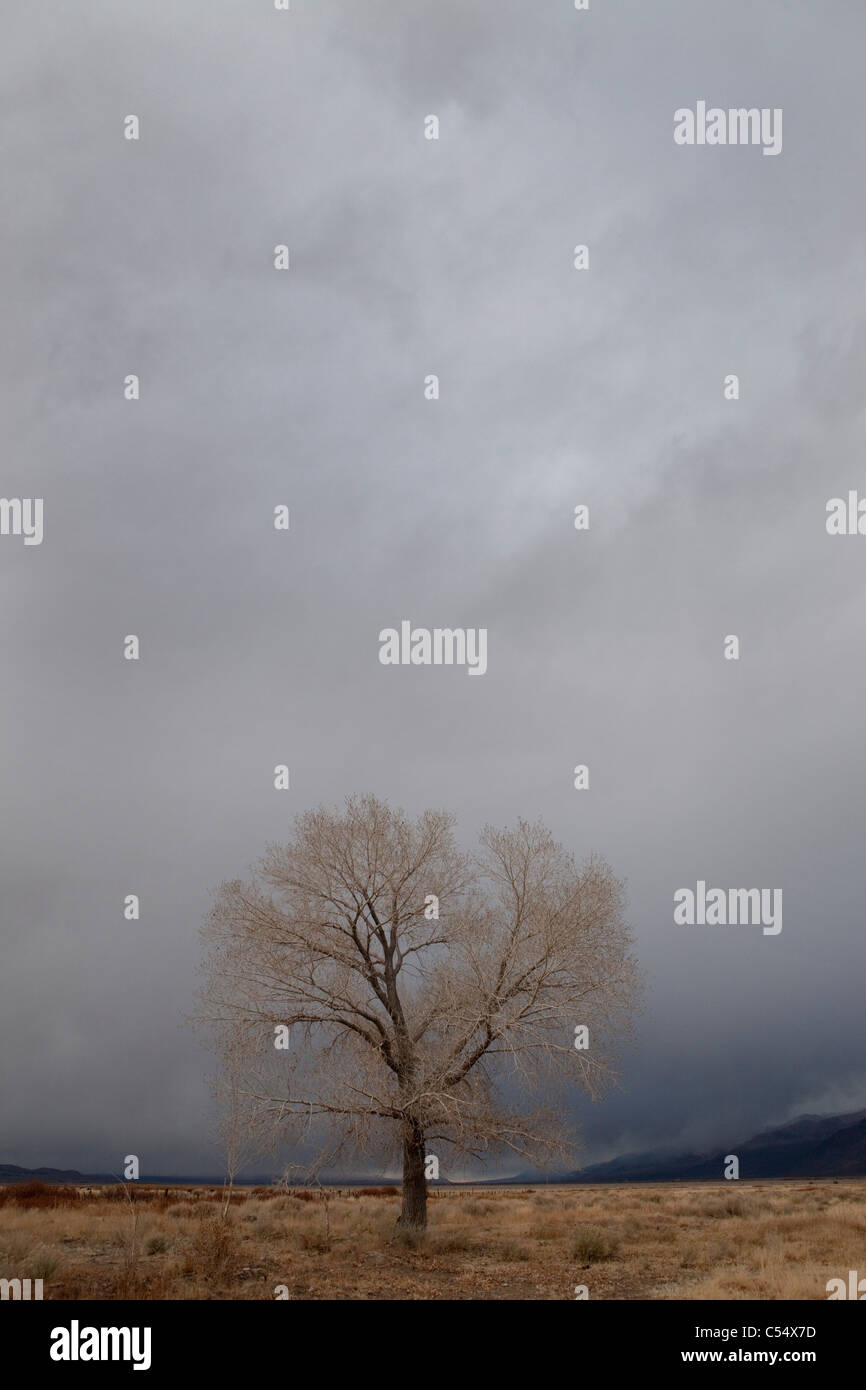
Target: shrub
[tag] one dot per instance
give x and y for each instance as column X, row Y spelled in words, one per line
column 592, row 1244
column 205, row 1211
column 33, row 1195
column 214, row 1245
column 317, row 1241
column 411, row 1237
column 728, row 1206
column 455, row 1242
column 474, row 1208
column 43, row 1263
column 511, row 1251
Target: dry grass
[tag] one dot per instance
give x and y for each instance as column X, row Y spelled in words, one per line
column 772, row 1240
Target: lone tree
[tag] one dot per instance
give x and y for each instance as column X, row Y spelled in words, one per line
column 429, row 998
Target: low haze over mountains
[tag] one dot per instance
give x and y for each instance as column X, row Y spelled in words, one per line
column 812, row 1146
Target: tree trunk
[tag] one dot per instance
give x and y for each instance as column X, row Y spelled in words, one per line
column 414, row 1212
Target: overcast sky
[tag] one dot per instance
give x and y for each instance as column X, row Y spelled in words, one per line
column 558, row 387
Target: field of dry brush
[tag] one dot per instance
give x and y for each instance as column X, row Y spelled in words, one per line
column 771, row 1240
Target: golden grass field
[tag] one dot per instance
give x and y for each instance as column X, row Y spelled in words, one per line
column 769, row 1240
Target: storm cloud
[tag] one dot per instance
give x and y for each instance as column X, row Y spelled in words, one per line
column 558, row 387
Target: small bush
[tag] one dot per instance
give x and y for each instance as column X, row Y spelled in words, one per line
column 316, row 1241
column 411, row 1237
column 591, row 1245
column 455, row 1242
column 729, row 1206
column 39, row 1195
column 269, row 1230
column 548, row 1229
column 512, row 1252
column 205, row 1211
column 214, row 1246
column 15, row 1247
column 43, row 1263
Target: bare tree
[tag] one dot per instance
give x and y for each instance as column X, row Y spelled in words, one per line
column 433, row 998
column 240, row 1128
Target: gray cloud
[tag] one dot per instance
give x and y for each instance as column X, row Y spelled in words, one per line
column 411, row 257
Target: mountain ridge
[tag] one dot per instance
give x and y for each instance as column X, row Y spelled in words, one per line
column 809, row 1146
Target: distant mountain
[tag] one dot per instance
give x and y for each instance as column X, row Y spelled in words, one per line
column 9, row 1172
column 812, row 1146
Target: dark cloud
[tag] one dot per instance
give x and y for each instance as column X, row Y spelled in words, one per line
column 410, row 257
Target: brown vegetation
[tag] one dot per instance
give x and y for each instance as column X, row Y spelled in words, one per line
column 773, row 1240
